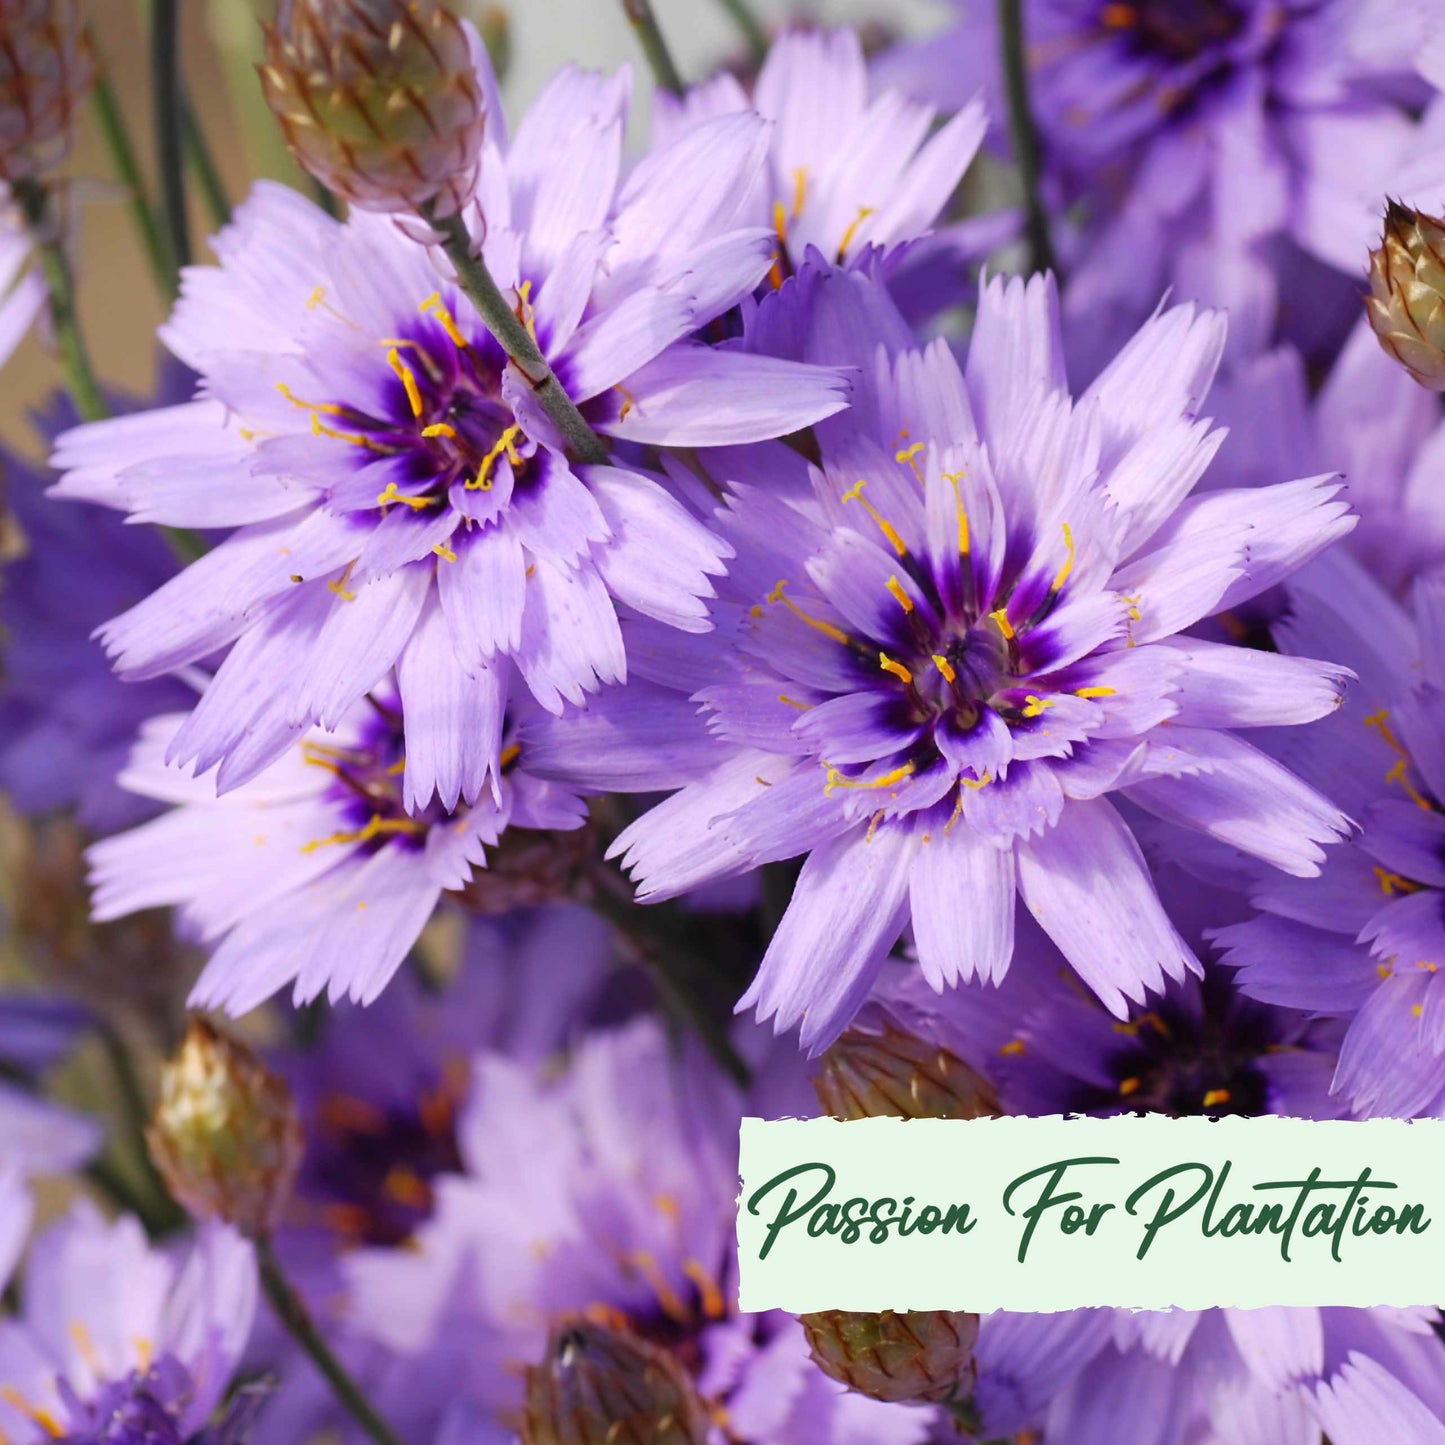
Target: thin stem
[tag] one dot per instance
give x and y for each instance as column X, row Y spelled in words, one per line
column 1024, row 132
column 169, row 124
column 521, row 347
column 654, row 46
column 135, row 1114
column 127, row 168
column 213, row 188
column 750, row 26
column 292, row 1312
column 44, row 227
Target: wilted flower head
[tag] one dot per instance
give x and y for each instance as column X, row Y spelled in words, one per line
column 378, row 99
column 46, row 67
column 225, row 1135
column 1406, row 304
column 912, row 1356
column 868, row 1075
column 597, row 1384
column 939, row 652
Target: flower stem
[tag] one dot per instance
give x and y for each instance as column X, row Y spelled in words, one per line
column 203, row 162
column 1025, row 134
column 292, row 1312
column 654, row 46
column 127, row 168
column 521, row 347
column 44, row 227
column 750, row 26
column 166, row 1214
column 170, row 124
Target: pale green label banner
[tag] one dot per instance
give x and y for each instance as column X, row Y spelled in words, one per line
column 1140, row 1212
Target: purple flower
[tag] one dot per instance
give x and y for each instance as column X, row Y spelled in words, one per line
column 66, row 724
column 363, row 433
column 1365, row 941
column 323, row 870
column 121, row 1343
column 941, row 648
column 852, row 169
column 1234, row 152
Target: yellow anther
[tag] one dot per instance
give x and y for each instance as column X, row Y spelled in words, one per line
column 953, row 479
column 1013, row 1048
column 898, row 670
column 1034, row 706
column 908, row 457
column 1216, row 1096
column 1426, row 966
column 826, row 628
column 841, row 780
column 793, row 702
column 444, row 552
column 1127, row 1087
column 1399, row 774
column 1000, row 618
column 1384, row 970
column 482, row 482
column 356, row 439
column 1418, row 1010
column 667, row 1297
column 1380, row 720
column 1062, row 575
column 439, row 429
column 526, row 314
column 944, row 666
column 376, row 827
column 629, row 401
column 855, row 494
column 417, row 504
column 974, row 784
column 800, row 191
column 408, row 380
column 397, row 768
column 316, row 298
column 1088, row 693
column 713, row 1304
column 339, row 587
column 780, row 221
column 38, row 1414
column 327, row 408
column 80, row 1337
column 510, row 754
column 145, row 1353
column 848, row 236
column 1392, row 884
column 899, row 595
column 436, row 308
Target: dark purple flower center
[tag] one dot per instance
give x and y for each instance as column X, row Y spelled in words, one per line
column 1173, row 29
column 370, row 1169
column 129, row 1412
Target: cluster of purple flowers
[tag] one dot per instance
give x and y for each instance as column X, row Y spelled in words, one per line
column 607, row 645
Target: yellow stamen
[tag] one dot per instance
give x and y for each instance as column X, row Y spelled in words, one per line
column 974, row 784
column 417, row 504
column 841, row 780
column 41, row 1417
column 339, row 587
column 953, row 479
column 1034, row 706
column 505, row 443
column 525, row 312
column 898, row 670
column 899, row 595
column 944, row 666
column 1129, row 1086
column 444, row 552
column 1418, row 1010
column 800, row 191
column 510, row 754
column 855, row 494
column 439, row 429
column 1088, row 693
column 667, row 1297
column 793, row 702
column 863, row 213
column 1062, row 575
column 1384, row 970
column 826, row 628
column 1000, row 617
column 408, row 380
column 145, row 1353
column 1392, row 884
column 80, row 1337
column 377, row 827
column 1426, row 966
column 908, row 457
column 327, row 408
column 1014, row 1047
column 1398, row 774
column 713, row 1304
column 1216, row 1096
column 436, row 308
column 780, row 221
column 628, row 400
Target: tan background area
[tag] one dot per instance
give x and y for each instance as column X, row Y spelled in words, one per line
column 120, row 304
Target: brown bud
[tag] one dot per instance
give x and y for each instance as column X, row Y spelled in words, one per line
column 895, row 1075
column 601, row 1385
column 921, row 1356
column 46, row 68
column 378, row 99
column 528, row 868
column 1406, row 304
column 226, row 1136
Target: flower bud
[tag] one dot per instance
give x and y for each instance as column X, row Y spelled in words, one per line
column 226, row 1137
column 528, row 868
column 46, row 68
column 1406, row 305
column 601, row 1385
column 378, row 99
column 918, row 1357
column 895, row 1075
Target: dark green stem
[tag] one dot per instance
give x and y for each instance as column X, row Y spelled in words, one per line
column 654, row 46
column 292, row 1312
column 583, row 444
column 170, row 124
column 127, row 168
column 1024, row 133
column 213, row 188
column 750, row 26
column 45, row 232
column 135, row 1115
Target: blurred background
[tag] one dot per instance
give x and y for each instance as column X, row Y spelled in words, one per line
column 119, row 299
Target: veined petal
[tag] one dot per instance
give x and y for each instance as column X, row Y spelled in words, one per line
column 961, row 896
